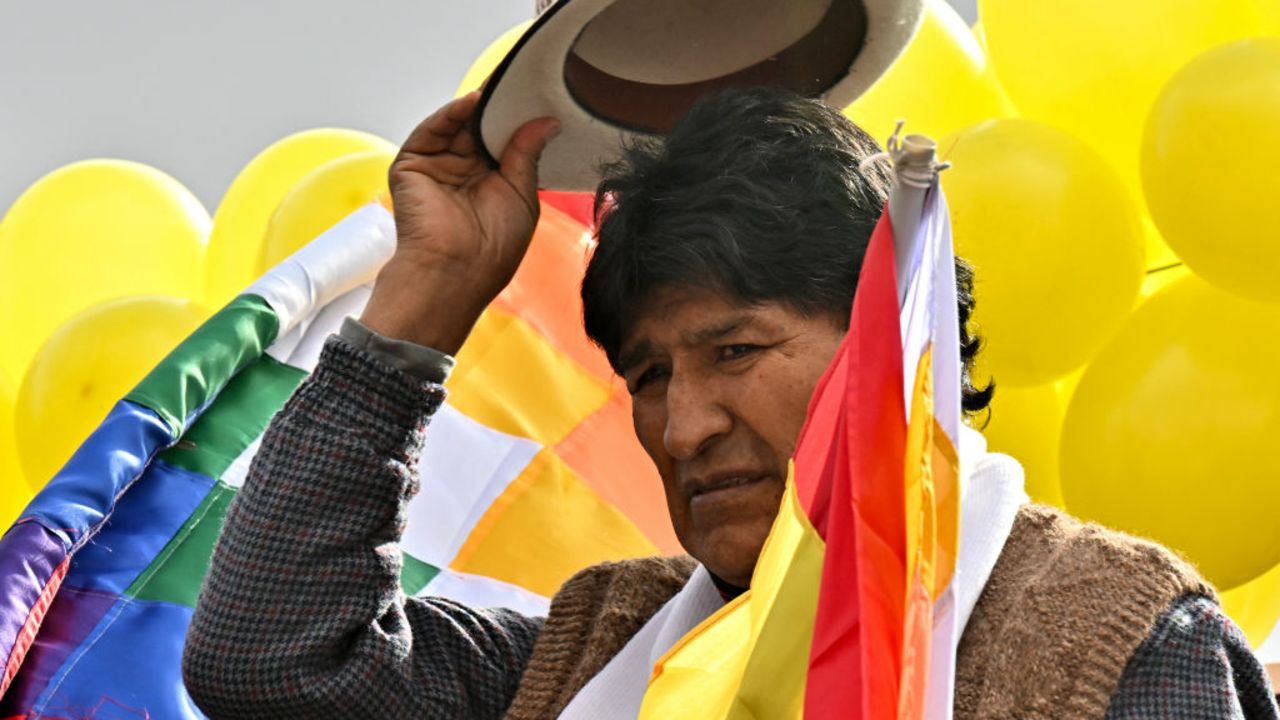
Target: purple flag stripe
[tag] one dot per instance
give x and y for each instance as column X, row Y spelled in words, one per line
column 65, row 515
column 74, row 614
column 29, row 558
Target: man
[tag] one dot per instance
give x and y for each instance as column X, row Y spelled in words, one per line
column 720, row 289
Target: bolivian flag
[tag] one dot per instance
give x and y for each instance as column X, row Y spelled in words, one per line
column 851, row 612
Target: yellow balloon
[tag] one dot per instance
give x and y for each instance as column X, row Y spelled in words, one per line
column 980, row 35
column 1093, row 67
column 1055, row 239
column 86, row 366
column 940, row 84
column 330, row 193
column 88, row 232
column 1026, row 423
column 12, row 480
column 1209, row 166
column 13, row 499
column 240, row 222
column 1159, row 254
column 1171, row 433
column 488, row 61
column 1157, row 281
column 1255, row 605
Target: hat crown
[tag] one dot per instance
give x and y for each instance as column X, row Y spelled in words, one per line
column 669, row 42
column 641, row 64
column 611, row 69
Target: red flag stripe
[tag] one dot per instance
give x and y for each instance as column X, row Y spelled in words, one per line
column 849, row 475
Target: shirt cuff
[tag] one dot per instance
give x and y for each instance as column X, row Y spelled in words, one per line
column 419, row 361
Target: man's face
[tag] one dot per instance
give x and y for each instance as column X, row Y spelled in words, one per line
column 719, row 393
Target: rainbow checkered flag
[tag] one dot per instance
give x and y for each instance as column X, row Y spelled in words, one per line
column 523, row 483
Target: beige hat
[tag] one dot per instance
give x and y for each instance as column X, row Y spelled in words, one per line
column 611, row 69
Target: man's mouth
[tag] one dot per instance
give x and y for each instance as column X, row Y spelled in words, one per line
column 724, row 482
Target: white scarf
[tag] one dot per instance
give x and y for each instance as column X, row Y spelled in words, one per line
column 991, row 492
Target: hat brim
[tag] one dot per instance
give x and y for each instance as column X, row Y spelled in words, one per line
column 837, row 61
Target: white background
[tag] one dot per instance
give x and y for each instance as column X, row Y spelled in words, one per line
column 197, row 87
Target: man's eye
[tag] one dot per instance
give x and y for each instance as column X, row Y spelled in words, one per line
column 648, row 377
column 740, row 350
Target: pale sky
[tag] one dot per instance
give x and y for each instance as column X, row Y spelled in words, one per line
column 196, row 88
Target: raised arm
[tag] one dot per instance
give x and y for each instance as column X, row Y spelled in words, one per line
column 301, row 614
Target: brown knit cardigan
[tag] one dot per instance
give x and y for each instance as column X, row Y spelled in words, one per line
column 1066, row 606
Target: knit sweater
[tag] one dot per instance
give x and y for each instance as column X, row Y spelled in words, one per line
column 313, row 625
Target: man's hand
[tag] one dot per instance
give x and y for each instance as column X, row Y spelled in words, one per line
column 462, row 227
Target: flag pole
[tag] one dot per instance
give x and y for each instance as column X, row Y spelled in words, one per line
column 915, row 168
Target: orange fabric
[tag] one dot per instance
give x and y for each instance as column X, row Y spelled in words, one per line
column 921, row 543
column 946, row 492
column 546, row 526
column 916, row 646
column 604, row 451
column 545, row 292
column 511, row 378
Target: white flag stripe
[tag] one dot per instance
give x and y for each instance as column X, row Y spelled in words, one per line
column 287, row 341
column 485, row 592
column 238, row 470
column 936, row 227
column 344, row 257
column 465, row 467
column 946, row 321
column 942, row 672
column 929, row 316
column 317, row 328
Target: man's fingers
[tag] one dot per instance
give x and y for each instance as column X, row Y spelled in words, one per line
column 445, row 168
column 439, row 131
column 464, row 143
column 519, row 164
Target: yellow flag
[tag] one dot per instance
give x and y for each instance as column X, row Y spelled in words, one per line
column 750, row 659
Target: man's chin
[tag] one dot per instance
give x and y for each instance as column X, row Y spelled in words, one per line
column 730, row 551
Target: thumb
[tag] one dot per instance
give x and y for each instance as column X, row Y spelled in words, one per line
column 519, row 163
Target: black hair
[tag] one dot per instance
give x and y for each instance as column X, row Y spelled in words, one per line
column 757, row 192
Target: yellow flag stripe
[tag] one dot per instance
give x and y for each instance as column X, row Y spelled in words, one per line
column 546, row 526
column 931, row 473
column 510, row 378
column 751, row 658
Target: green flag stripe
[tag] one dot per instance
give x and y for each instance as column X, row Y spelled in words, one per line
column 236, row 419
column 177, row 572
column 415, row 574
column 221, row 353
column 193, row 374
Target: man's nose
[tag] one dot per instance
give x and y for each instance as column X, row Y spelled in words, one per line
column 696, row 415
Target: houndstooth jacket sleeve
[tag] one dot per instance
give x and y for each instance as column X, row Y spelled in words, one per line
column 301, row 614
column 1195, row 664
